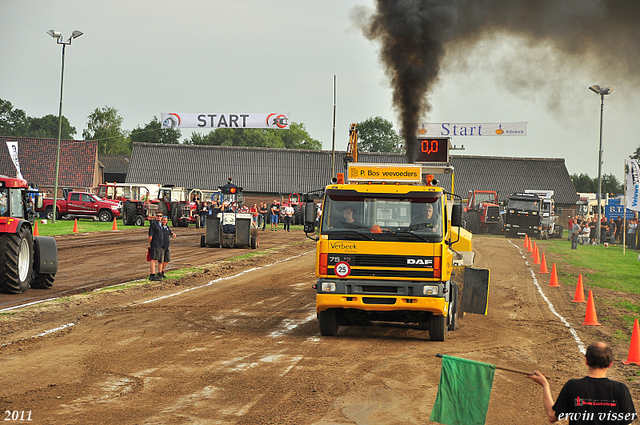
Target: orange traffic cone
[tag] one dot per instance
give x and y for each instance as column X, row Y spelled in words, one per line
column 554, row 277
column 75, row 226
column 579, row 295
column 543, row 266
column 536, row 255
column 534, row 250
column 529, row 247
column 526, row 240
column 590, row 318
column 634, row 348
column 35, row 229
column 115, row 226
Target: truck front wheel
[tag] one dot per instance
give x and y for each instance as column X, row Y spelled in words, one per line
column 105, row 216
column 438, row 328
column 16, row 261
column 328, row 322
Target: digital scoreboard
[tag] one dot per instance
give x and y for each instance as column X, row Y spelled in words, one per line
column 432, row 149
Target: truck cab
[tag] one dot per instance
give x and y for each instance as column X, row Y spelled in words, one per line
column 384, row 251
column 523, row 215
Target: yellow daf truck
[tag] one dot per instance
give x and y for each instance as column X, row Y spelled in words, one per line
column 390, row 248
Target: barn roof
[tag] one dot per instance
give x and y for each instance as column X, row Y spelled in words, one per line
column 115, row 163
column 267, row 170
column 37, row 157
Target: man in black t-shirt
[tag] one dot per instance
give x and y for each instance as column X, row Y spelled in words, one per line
column 594, row 399
column 156, row 240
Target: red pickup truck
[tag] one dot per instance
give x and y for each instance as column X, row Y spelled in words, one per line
column 81, row 204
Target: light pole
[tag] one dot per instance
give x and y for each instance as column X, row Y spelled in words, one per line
column 58, row 36
column 600, row 91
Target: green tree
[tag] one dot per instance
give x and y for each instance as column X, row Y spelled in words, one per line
column 636, row 154
column 47, row 127
column 377, row 135
column 153, row 133
column 13, row 121
column 584, row 184
column 296, row 137
column 105, row 126
column 610, row 184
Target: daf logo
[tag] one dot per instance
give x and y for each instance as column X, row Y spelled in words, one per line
column 419, row 262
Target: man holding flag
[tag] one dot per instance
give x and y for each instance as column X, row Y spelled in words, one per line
column 593, row 399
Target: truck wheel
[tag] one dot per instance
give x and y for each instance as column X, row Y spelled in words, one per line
column 202, row 242
column 43, row 281
column 254, row 242
column 105, row 216
column 328, row 322
column 49, row 213
column 559, row 232
column 139, row 220
column 297, row 215
column 438, row 328
column 497, row 228
column 197, row 222
column 16, row 261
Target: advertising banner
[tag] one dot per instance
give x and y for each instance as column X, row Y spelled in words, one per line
column 274, row 120
column 451, row 129
column 13, row 153
column 633, row 185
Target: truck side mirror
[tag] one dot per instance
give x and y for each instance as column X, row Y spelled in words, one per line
column 456, row 215
column 309, row 217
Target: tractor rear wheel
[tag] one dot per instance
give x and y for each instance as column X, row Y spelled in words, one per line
column 43, row 281
column 297, row 215
column 473, row 222
column 129, row 211
column 16, row 261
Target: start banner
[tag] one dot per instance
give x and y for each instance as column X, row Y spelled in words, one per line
column 450, row 129
column 221, row 120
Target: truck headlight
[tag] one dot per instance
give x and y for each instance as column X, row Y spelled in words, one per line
column 328, row 287
column 430, row 290
column 113, row 207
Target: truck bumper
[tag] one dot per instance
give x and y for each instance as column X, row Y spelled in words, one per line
column 435, row 305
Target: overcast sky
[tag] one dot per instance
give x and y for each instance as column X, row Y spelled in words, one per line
column 148, row 57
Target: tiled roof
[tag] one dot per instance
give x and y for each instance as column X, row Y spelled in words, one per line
column 297, row 171
column 115, row 164
column 38, row 161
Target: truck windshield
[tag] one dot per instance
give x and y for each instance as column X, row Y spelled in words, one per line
column 523, row 204
column 417, row 216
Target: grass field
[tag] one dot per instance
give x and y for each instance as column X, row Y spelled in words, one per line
column 65, row 227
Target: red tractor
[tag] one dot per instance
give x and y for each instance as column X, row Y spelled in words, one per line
column 482, row 213
column 25, row 260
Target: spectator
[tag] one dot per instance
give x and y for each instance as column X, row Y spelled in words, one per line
column 288, row 216
column 631, row 233
column 592, row 231
column 575, row 231
column 204, row 212
column 275, row 213
column 264, row 214
column 156, row 241
column 584, row 233
column 167, row 234
column 619, row 229
column 613, row 397
column 254, row 214
column 570, row 226
column 611, row 232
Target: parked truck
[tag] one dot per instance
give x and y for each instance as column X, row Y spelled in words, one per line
column 550, row 222
column 25, row 260
column 391, row 248
column 80, row 204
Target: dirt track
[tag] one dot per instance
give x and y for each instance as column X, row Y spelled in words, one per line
column 239, row 344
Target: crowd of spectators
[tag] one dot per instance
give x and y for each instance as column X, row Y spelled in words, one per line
column 583, row 231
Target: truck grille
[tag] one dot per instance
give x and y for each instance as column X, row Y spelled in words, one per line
column 493, row 214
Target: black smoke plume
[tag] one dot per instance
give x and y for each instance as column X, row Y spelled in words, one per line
column 416, row 35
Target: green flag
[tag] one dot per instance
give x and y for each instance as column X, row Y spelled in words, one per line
column 463, row 393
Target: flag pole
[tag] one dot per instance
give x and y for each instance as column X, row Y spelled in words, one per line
column 624, row 211
column 508, row 369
